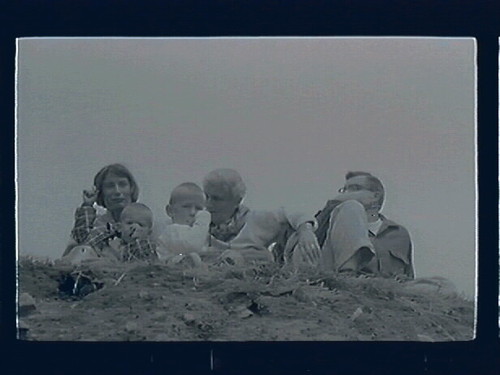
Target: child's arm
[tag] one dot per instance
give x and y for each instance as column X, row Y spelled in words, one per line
column 188, row 239
column 164, row 254
column 216, row 244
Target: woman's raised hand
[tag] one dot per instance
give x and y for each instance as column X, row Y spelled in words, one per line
column 89, row 196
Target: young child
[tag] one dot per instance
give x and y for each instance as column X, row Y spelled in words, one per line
column 188, row 238
column 132, row 239
column 135, row 226
column 188, row 232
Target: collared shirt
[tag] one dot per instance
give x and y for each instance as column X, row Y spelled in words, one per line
column 140, row 249
column 374, row 226
column 393, row 248
column 100, row 230
column 227, row 231
column 258, row 229
column 92, row 229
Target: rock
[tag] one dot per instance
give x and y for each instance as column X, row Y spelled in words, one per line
column 159, row 316
column 26, row 304
column 435, row 284
column 244, row 313
column 356, row 314
column 204, row 327
column 194, row 260
column 188, row 318
column 232, row 258
column 190, row 260
column 175, row 259
column 79, row 254
column 301, row 295
column 131, row 326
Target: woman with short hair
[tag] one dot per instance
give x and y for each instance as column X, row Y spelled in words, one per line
column 114, row 188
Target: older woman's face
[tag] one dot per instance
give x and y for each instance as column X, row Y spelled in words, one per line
column 220, row 204
column 116, row 192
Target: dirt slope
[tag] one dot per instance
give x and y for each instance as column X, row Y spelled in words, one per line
column 152, row 302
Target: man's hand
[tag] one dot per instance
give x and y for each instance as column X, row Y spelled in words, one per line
column 402, row 278
column 134, row 234
column 308, row 244
column 90, row 196
column 232, row 257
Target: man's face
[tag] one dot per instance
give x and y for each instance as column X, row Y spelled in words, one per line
column 116, row 192
column 220, row 204
column 357, row 188
column 135, row 225
column 184, row 211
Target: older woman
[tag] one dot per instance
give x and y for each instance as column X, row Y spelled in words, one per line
column 114, row 188
column 249, row 232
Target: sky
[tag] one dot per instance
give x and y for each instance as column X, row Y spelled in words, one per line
column 292, row 115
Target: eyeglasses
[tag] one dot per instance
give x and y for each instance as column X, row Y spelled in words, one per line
column 351, row 188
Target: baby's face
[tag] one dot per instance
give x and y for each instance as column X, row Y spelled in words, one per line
column 135, row 226
column 184, row 211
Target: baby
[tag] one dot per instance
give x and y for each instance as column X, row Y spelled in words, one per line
column 136, row 225
column 133, row 242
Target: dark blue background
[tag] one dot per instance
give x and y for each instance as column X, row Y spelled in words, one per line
column 480, row 19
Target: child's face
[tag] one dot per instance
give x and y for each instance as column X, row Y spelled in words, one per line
column 184, row 211
column 135, row 225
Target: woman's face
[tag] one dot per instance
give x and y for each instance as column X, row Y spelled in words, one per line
column 220, row 204
column 116, row 192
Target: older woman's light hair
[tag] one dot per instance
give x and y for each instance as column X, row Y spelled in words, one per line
column 227, row 181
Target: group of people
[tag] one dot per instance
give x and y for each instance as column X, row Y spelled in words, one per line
column 348, row 235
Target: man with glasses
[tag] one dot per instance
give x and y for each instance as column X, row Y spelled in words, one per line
column 356, row 237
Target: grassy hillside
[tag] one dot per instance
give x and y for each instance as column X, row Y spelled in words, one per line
column 155, row 302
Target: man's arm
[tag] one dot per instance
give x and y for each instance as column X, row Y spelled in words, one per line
column 409, row 270
column 307, row 242
column 264, row 227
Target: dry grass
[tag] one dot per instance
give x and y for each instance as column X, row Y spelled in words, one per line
column 156, row 302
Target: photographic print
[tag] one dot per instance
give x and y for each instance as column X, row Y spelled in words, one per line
column 246, row 189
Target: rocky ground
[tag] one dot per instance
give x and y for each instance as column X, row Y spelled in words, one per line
column 222, row 302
